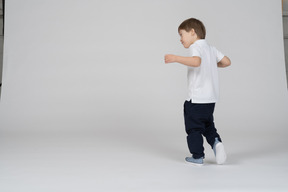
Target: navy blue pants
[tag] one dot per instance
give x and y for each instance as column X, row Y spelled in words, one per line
column 199, row 122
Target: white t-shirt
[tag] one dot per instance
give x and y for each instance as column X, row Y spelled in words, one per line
column 203, row 85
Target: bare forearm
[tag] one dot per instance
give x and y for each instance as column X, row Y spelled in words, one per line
column 188, row 61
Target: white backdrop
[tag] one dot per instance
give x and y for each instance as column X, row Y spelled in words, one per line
column 88, row 103
column 94, row 65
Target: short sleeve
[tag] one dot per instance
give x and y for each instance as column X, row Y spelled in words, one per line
column 219, row 56
column 195, row 51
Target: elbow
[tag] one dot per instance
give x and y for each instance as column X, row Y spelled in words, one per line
column 226, row 62
column 196, row 62
column 229, row 63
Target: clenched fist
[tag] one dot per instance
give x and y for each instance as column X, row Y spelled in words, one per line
column 170, row 58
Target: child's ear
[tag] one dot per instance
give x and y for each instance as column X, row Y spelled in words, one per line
column 192, row 32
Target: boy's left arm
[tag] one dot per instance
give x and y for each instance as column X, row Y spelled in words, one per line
column 194, row 61
column 225, row 62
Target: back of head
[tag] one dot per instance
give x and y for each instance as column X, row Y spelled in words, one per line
column 195, row 24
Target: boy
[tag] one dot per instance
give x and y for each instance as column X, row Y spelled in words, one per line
column 202, row 90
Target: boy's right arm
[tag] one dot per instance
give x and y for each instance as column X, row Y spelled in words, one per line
column 194, row 61
column 225, row 62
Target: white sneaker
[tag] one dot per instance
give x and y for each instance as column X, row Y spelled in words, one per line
column 219, row 152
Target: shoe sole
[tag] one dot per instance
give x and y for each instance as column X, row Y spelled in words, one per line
column 195, row 164
column 220, row 153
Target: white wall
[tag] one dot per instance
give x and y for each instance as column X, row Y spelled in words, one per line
column 95, row 65
column 285, row 31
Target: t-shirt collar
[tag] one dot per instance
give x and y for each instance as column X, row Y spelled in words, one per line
column 200, row 41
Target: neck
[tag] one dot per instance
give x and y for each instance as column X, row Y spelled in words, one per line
column 196, row 39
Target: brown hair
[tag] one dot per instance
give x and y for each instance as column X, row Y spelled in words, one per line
column 195, row 24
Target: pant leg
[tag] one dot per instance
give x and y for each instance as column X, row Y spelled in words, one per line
column 210, row 132
column 195, row 127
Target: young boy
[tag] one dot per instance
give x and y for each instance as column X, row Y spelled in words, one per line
column 202, row 90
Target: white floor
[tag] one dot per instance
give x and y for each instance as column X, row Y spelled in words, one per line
column 137, row 161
